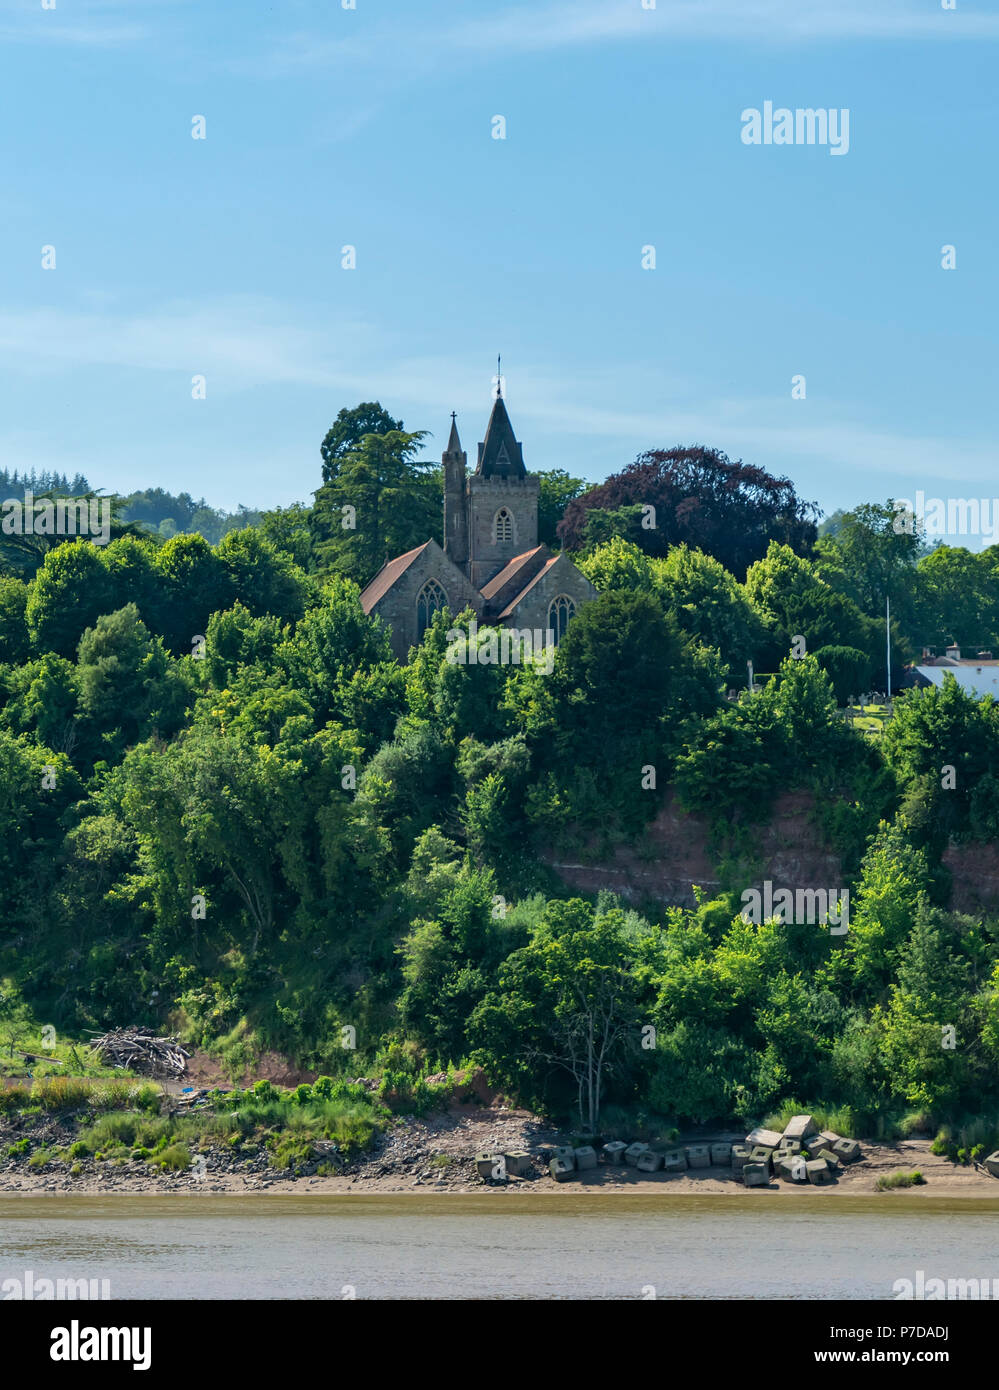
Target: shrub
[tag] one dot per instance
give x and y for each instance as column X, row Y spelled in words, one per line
column 54, row 1093
column 900, row 1179
column 13, row 1098
column 174, row 1159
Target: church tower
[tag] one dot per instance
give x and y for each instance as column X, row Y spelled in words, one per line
column 502, row 501
column 455, row 463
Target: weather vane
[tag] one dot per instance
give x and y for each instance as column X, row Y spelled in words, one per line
column 498, row 378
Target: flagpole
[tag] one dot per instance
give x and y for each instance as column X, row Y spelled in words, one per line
column 888, row 645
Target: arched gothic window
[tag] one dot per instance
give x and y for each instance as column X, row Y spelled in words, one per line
column 560, row 611
column 430, row 600
column 502, row 527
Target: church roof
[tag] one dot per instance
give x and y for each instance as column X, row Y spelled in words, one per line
column 518, row 564
column 508, row 611
column 387, row 576
column 499, row 454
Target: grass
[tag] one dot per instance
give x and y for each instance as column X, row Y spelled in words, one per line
column 900, row 1179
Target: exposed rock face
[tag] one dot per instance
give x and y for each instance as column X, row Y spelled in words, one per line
column 975, row 868
column 674, row 854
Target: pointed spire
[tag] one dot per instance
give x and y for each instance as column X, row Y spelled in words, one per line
column 500, row 453
column 454, row 443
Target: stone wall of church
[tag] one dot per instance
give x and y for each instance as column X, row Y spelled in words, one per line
column 485, row 498
column 398, row 606
column 562, row 578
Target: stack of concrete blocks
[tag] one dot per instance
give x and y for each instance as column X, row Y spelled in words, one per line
column 614, row 1151
column 632, row 1151
column 819, row 1146
column 586, row 1157
column 649, row 1162
column 792, row 1167
column 698, row 1155
column 740, row 1157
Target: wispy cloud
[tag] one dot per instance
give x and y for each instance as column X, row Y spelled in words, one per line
column 82, row 23
column 527, row 27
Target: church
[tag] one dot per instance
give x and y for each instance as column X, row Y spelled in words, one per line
column 491, row 561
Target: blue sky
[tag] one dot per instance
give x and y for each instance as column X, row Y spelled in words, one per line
column 372, row 127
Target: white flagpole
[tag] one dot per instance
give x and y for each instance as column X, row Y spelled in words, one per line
column 888, row 643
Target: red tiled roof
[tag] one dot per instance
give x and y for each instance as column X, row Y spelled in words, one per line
column 508, row 610
column 387, row 576
column 506, row 574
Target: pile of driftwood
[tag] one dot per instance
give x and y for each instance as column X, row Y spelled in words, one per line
column 140, row 1052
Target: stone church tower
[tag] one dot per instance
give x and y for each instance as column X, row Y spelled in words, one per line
column 492, row 515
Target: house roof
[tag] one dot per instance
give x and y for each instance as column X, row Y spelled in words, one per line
column 387, row 576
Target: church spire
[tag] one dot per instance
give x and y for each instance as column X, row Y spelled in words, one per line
column 500, row 453
column 453, row 443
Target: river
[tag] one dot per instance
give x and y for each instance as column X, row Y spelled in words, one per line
column 508, row 1246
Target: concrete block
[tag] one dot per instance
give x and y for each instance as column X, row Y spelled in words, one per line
column 675, row 1161
column 491, row 1167
column 698, row 1155
column 761, row 1154
column 818, row 1172
column 846, row 1150
column 756, row 1174
column 614, row 1151
column 769, row 1137
column 649, row 1162
column 792, row 1169
column 561, row 1169
column 632, row 1151
column 991, row 1164
column 567, row 1152
column 586, row 1157
column 721, row 1155
column 740, row 1157
column 798, row 1126
column 826, row 1155
column 815, row 1144
column 518, row 1163
column 791, row 1146
column 831, row 1136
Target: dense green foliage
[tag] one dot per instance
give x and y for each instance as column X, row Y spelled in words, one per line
column 225, row 807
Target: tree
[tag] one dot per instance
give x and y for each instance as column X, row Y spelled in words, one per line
column 264, row 579
column 866, row 559
column 380, row 502
column 558, row 489
column 957, row 600
column 347, row 432
column 702, row 499
column 706, row 602
column 196, row 584
column 69, row 593
column 566, row 1002
column 14, row 639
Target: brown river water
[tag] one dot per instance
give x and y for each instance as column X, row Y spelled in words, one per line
column 623, row 1246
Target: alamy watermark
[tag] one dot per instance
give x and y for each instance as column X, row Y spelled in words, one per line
column 948, row 516
column 59, row 516
column 32, row 1288
column 798, row 907
column 802, row 126
column 505, row 646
